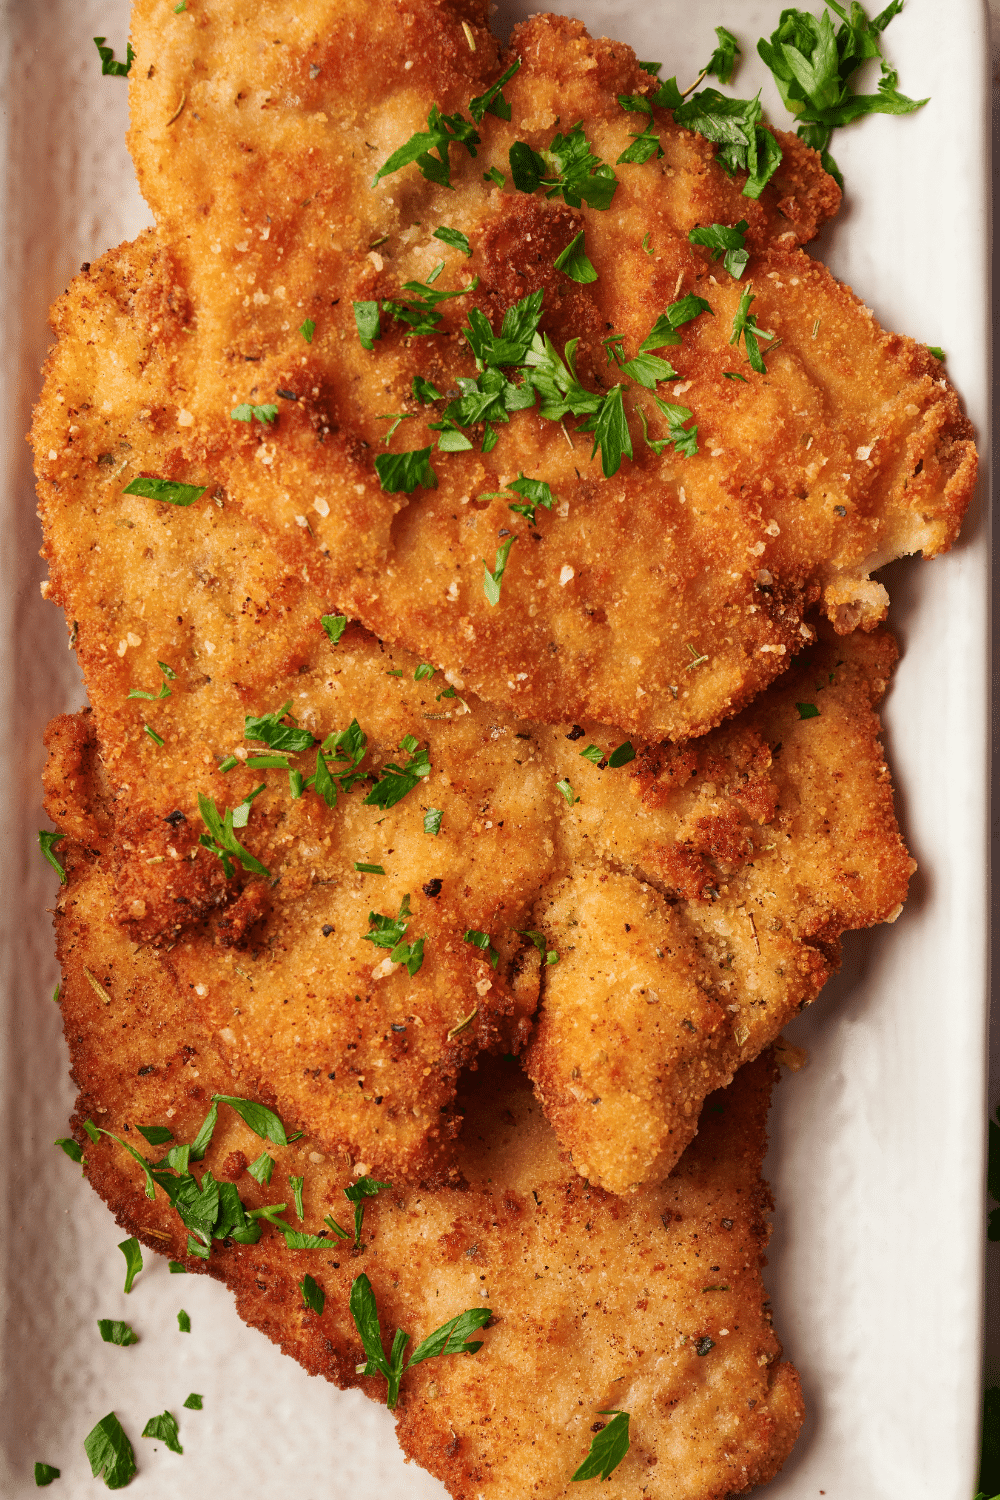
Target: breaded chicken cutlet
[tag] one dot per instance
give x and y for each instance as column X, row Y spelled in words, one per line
column 653, row 1306
column 686, row 902
column 661, row 598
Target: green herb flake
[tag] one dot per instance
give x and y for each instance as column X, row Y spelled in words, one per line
column 703, row 1345
column 356, row 1193
column 261, row 1120
column 109, row 67
column 727, row 241
column 222, row 841
column 177, row 1268
column 401, row 473
column 567, row 791
column 567, row 168
column 247, row 413
column 368, row 869
column 453, row 237
column 549, row 955
column 334, row 625
column 44, row 1474
column 46, row 842
column 594, row 754
column 425, row 391
column 132, row 1251
column 261, row 1169
column 156, row 1135
column 492, row 581
column 114, row 1332
column 573, row 261
column 607, row 1449
column 496, row 176
column 110, row 1452
column 481, row 940
column 443, row 132
column 184, row 1321
column 432, row 821
column 807, row 710
column 389, row 932
column 72, row 1148
column 307, row 329
column 451, row 1338
column 368, row 324
column 194, row 1402
column 735, row 126
column 154, row 736
column 165, row 490
column 745, row 325
column 722, row 62
column 396, row 781
column 937, row 352
column 164, row 1428
column 622, row 755
column 313, row 1295
column 493, row 101
column 732, row 375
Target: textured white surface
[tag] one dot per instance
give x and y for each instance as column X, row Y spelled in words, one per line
column 876, row 1159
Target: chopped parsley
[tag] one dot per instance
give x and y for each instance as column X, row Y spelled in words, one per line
column 46, row 842
column 72, row 1148
column 812, row 66
column 510, row 346
column 296, row 1184
column 109, row 67
column 396, row 781
column 247, row 413
column 164, row 1427
column 453, row 237
column 110, row 1452
column 607, row 1449
column 183, row 1318
column 481, row 940
column 724, row 240
column 622, row 755
column 745, row 324
column 937, row 352
column 261, row 1169
column 494, row 175
column 722, row 62
column 368, row 869
column 573, row 261
column 565, row 788
column 493, row 101
column 177, row 1268
column 535, row 493
column 313, row 1295
column 492, row 581
column 401, row 473
column 432, row 821
column 567, row 167
column 807, row 710
column 684, row 439
column 362, row 1188
column 44, row 1474
column 194, row 1402
column 703, row 1345
column 221, row 839
column 443, row 132
column 451, row 1338
column 165, row 489
column 307, row 329
column 114, row 1332
column 423, row 672
column 388, row 932
column 425, row 391
column 278, row 736
column 132, row 1251
column 368, row 325
column 594, row 754
column 549, row 955
column 261, row 1120
column 164, row 692
column 735, row 126
column 157, row 740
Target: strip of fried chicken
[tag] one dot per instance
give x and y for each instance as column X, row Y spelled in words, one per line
column 654, row 1306
column 849, row 450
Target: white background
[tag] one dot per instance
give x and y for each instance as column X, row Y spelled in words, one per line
column 876, row 1160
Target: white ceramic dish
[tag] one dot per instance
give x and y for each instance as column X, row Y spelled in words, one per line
column 876, row 1161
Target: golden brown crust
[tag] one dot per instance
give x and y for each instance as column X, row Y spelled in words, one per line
column 595, row 1302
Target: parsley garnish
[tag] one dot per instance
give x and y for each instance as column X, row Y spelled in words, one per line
column 727, row 241
column 607, row 1448
column 645, row 144
column 937, row 352
column 367, row 320
column 307, row 329
column 510, row 346
column 313, row 1295
column 177, row 1267
column 132, row 1251
column 334, row 625
column 269, row 729
column 432, row 820
column 442, row 132
column 423, row 672
column 72, row 1149
column 622, row 755
column 401, row 473
column 494, row 175
column 44, row 1474
column 684, row 439
column 194, row 1402
column 396, row 781
column 568, row 167
column 549, row 955
column 594, row 754
column 114, row 1332
column 453, row 237
column 110, row 1452
column 745, row 323
column 493, row 101
column 165, row 490
column 261, row 1169
column 807, row 710
column 722, row 62
column 812, row 67
column 364, row 1187
column 611, row 434
column 164, row 1427
column 221, row 839
column 112, row 69
column 573, row 261
column 183, row 1318
column 492, row 581
column 535, row 492
column 368, row 869
column 46, row 842
column 261, row 1120
column 388, row 932
column 567, row 791
column 424, row 391
column 450, row 1338
column 734, row 125
column 164, row 690
column 247, row 413
column 481, row 940
column 157, row 739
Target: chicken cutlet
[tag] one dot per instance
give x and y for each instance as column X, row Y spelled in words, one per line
column 653, row 1306
column 350, row 958
column 659, row 598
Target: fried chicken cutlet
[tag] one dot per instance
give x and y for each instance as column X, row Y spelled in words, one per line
column 351, row 958
column 849, row 450
column 653, row 1306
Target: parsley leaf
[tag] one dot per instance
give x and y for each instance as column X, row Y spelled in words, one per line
column 807, row 710
column 401, row 473
column 114, row 1332
column 334, row 625
column 481, row 940
column 622, row 755
column 610, row 429
column 194, row 1402
column 367, row 320
column 112, row 69
column 453, row 237
column 535, row 492
column 745, row 324
column 492, row 581
column 432, row 820
column 727, row 241
column 443, row 131
column 184, row 1321
column 110, row 1452
column 396, row 781
column 567, row 167
column 388, row 932
column 722, row 62
column 493, row 101
column 246, row 413
column 424, row 391
column 46, row 842
column 313, row 1295
column 450, row 1338
column 510, row 346
column 347, row 748
column 307, row 329
column 549, row 955
column 607, row 1448
column 557, row 382
column 261, row 1120
column 567, row 791
column 261, row 1169
column 356, row 1193
column 165, row 489
column 573, row 261
column 594, row 754
column 132, row 1251
column 812, row 67
column 164, row 1427
column 44, row 1474
column 645, row 144
column 734, row 125
column 72, row 1149
column 684, row 439
column 420, row 311
column 221, row 839
column 278, row 736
